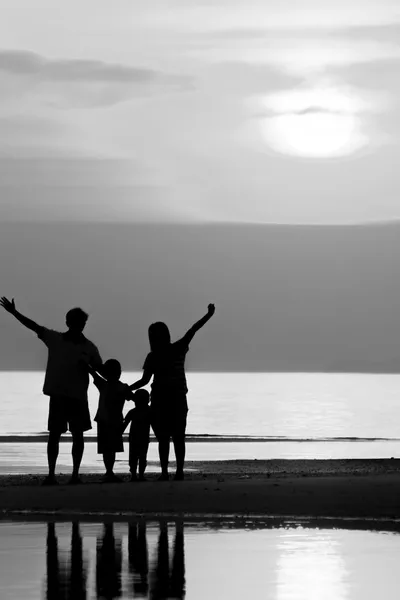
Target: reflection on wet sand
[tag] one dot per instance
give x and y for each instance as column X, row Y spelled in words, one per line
column 165, row 580
column 108, row 564
column 66, row 578
column 138, row 559
column 66, row 571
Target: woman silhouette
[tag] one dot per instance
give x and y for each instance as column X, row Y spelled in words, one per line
column 166, row 363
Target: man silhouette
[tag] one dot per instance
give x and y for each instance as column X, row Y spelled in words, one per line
column 66, row 382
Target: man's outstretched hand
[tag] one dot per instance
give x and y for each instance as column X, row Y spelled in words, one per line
column 9, row 305
column 211, row 309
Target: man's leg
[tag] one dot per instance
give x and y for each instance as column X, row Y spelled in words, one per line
column 56, row 425
column 53, row 445
column 78, row 417
column 109, row 461
column 78, row 446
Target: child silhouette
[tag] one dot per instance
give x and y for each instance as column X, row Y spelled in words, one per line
column 139, row 434
column 109, row 417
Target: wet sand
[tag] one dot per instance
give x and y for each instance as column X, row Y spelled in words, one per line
column 356, row 488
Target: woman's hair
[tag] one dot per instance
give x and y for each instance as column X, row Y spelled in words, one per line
column 159, row 336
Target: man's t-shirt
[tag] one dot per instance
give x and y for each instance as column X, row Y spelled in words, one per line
column 111, row 401
column 65, row 373
column 168, row 368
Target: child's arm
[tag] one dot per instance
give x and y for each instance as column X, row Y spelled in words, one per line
column 97, row 379
column 129, row 395
column 189, row 335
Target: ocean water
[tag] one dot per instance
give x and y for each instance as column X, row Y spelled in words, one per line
column 183, row 559
column 233, row 415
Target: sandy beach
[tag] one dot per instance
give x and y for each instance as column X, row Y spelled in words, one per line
column 300, row 488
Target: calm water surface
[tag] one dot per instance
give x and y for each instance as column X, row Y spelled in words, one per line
column 139, row 559
column 298, row 415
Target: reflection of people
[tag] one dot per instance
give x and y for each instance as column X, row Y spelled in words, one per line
column 166, row 583
column 67, row 580
column 66, row 382
column 177, row 579
column 138, row 558
column 166, row 362
column 52, row 564
column 139, row 434
column 78, row 573
column 108, row 565
column 109, row 417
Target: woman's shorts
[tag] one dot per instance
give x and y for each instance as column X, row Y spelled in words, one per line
column 169, row 416
column 109, row 438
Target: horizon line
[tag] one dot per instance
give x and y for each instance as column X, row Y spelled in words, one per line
column 207, row 223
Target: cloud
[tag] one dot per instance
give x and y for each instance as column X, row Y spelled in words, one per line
column 81, row 83
column 20, row 62
column 382, row 75
column 235, row 78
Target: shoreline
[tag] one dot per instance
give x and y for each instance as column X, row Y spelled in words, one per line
column 350, row 488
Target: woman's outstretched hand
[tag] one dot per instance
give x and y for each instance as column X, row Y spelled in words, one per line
column 9, row 305
column 211, row 309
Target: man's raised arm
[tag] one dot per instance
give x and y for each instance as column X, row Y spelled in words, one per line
column 9, row 306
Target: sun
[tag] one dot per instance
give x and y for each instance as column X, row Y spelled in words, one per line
column 316, row 135
column 314, row 123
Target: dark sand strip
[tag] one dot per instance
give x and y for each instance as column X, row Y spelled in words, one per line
column 304, row 488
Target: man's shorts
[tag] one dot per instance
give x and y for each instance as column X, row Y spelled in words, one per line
column 68, row 413
column 169, row 416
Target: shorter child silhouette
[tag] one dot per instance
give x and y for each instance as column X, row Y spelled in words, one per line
column 109, row 417
column 139, row 433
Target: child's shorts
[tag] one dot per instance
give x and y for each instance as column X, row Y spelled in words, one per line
column 138, row 449
column 109, row 438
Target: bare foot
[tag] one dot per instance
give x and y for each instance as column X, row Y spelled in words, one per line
column 75, row 480
column 50, row 480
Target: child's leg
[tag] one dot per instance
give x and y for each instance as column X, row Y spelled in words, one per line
column 109, row 460
column 143, row 459
column 133, row 459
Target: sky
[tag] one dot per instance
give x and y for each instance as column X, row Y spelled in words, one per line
column 159, row 155
column 192, row 110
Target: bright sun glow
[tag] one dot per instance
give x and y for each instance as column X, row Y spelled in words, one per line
column 315, row 123
column 316, row 134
